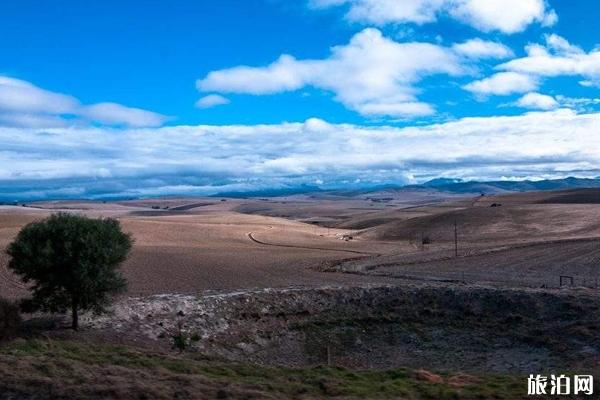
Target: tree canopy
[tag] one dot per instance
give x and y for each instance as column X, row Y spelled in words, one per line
column 72, row 263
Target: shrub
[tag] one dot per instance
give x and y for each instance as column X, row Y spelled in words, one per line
column 181, row 338
column 10, row 319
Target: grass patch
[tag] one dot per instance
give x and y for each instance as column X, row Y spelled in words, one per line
column 69, row 368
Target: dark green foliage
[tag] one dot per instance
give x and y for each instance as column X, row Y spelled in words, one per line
column 10, row 319
column 71, row 261
column 182, row 339
column 180, row 342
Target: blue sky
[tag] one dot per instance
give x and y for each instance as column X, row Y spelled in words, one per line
column 130, row 98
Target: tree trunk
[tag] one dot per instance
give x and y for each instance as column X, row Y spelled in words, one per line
column 74, row 314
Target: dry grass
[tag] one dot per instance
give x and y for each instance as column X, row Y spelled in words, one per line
column 67, row 370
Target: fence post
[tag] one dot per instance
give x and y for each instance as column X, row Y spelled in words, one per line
column 455, row 239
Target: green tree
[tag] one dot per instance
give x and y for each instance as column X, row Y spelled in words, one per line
column 72, row 263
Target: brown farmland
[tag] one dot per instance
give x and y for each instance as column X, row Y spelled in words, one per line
column 193, row 245
column 189, row 250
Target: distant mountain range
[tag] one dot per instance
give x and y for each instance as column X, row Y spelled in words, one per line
column 276, row 192
column 458, row 186
column 450, row 185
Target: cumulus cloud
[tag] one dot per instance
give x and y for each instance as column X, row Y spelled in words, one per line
column 578, row 103
column 20, row 96
column 537, row 101
column 26, row 105
column 285, row 74
column 381, row 12
column 557, row 58
column 507, row 16
column 372, row 74
column 479, row 48
column 116, row 114
column 103, row 162
column 503, row 83
column 212, row 100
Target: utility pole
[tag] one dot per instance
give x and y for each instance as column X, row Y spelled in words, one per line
column 455, row 239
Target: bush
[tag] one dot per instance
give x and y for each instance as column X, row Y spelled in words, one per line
column 181, row 338
column 10, row 319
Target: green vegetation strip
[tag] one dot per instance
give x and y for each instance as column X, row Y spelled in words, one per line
column 82, row 368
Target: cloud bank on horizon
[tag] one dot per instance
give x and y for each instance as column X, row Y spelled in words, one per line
column 506, row 98
column 203, row 160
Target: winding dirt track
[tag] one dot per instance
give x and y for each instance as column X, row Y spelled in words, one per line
column 218, row 250
column 291, row 246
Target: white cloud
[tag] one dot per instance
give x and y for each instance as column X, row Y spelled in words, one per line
column 116, row 114
column 284, row 74
column 21, row 96
column 478, row 48
column 24, row 104
column 402, row 109
column 557, row 58
column 210, row 159
column 381, row 12
column 561, row 45
column 579, row 103
column 503, row 83
column 537, row 101
column 507, row 16
column 372, row 74
column 212, row 100
column 31, row 120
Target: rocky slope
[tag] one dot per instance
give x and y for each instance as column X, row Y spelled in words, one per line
column 431, row 326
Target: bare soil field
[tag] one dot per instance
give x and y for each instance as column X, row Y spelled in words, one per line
column 229, row 251
column 533, row 265
column 516, row 240
column 192, row 245
column 480, row 225
column 199, row 245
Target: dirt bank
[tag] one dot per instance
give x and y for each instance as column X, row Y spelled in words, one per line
column 440, row 327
